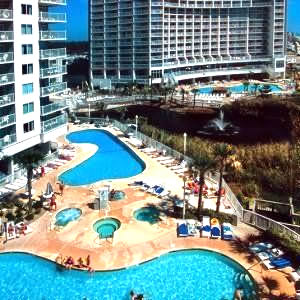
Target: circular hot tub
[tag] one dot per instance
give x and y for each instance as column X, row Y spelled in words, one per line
column 106, row 227
column 67, row 215
column 147, row 214
column 118, row 195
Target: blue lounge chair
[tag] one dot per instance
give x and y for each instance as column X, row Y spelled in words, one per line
column 182, row 230
column 206, row 229
column 260, row 247
column 215, row 229
column 280, row 262
column 227, row 231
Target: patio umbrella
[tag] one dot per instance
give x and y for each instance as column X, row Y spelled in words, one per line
column 49, row 191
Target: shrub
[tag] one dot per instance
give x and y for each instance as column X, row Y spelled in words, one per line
column 37, row 210
column 29, row 217
column 10, row 216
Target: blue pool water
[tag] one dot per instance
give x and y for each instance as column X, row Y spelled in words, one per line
column 112, row 160
column 147, row 214
column 239, row 88
column 182, row 275
column 67, row 215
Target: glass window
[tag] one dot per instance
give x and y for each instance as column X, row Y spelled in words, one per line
column 26, row 28
column 26, row 9
column 27, row 88
column 27, row 49
column 27, row 69
column 28, row 126
column 28, row 108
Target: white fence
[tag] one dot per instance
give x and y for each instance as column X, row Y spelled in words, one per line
column 243, row 215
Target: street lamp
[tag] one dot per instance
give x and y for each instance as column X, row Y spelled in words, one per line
column 183, row 211
column 136, row 124
column 184, row 143
column 150, row 77
column 89, row 112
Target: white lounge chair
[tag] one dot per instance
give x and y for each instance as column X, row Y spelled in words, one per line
column 295, row 276
column 206, row 229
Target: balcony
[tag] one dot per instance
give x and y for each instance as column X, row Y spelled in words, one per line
column 7, row 120
column 7, row 78
column 53, row 71
column 53, row 89
column 52, row 35
column 53, row 107
column 53, row 2
column 54, row 123
column 53, row 53
column 52, row 17
column 6, row 57
column 6, row 15
column 7, row 99
column 6, row 36
column 7, row 140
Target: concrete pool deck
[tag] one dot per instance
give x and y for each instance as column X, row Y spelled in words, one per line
column 135, row 241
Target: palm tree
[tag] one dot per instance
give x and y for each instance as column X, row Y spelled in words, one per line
column 29, row 159
column 256, row 85
column 222, row 152
column 204, row 162
column 182, row 93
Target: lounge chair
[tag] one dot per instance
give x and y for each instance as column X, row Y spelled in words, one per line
column 206, row 229
column 260, row 247
column 180, row 166
column 227, row 231
column 10, row 230
column 13, row 187
column 182, row 229
column 215, row 228
column 148, row 150
column 154, row 188
column 166, row 162
column 164, row 158
column 280, row 262
column 192, row 229
column 162, row 193
column 295, row 276
column 137, row 183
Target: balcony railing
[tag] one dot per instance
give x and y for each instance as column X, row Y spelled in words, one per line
column 52, row 89
column 7, row 99
column 8, row 140
column 53, row 107
column 6, row 15
column 54, row 123
column 52, row 17
column 52, row 35
column 7, row 120
column 6, row 57
column 53, row 53
column 53, row 71
column 53, row 2
column 6, row 78
column 6, row 36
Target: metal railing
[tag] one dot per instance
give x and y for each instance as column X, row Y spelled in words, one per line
column 55, row 70
column 6, row 14
column 6, row 36
column 7, row 140
column 52, row 89
column 7, row 99
column 54, row 123
column 6, row 57
column 52, row 17
column 52, row 35
column 59, row 2
column 52, row 53
column 6, row 78
column 52, row 107
column 244, row 215
column 7, row 120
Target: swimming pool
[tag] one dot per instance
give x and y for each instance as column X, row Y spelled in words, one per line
column 239, row 88
column 181, row 275
column 113, row 159
column 67, row 215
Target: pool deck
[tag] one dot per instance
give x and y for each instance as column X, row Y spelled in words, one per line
column 135, row 241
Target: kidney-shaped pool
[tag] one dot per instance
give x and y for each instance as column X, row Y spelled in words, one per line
column 181, row 275
column 113, row 159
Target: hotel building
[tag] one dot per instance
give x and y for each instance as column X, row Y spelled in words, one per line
column 31, row 73
column 151, row 40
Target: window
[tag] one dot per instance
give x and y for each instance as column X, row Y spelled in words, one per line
column 27, row 88
column 28, row 126
column 26, row 28
column 27, row 69
column 280, row 64
column 26, row 9
column 28, row 108
column 27, row 49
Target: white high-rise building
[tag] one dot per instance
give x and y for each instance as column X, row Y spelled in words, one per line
column 151, row 40
column 31, row 72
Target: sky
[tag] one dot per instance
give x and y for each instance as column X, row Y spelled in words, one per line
column 77, row 13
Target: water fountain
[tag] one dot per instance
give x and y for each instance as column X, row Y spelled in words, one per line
column 219, row 126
